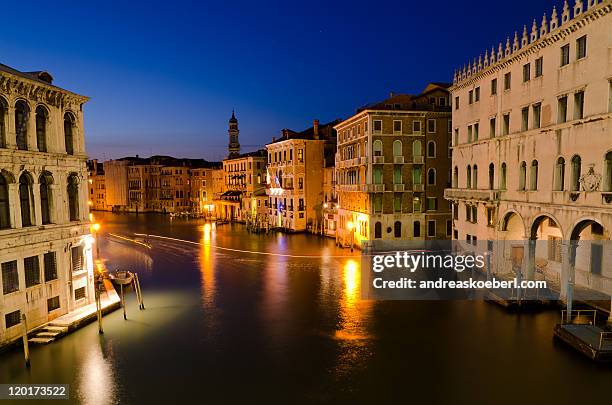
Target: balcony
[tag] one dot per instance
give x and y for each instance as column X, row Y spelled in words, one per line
column 378, row 159
column 418, row 160
column 378, row 188
column 418, row 188
column 398, row 160
column 363, row 160
column 469, row 194
column 349, row 187
column 398, row 187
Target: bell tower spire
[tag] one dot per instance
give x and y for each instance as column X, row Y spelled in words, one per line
column 234, row 145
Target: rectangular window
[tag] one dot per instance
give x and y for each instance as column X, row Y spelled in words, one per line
column 397, row 203
column 79, row 293
column 525, row 119
column 53, row 304
column 468, row 213
column 537, row 110
column 31, row 266
column 506, row 128
column 431, row 126
column 490, row 216
column 449, row 227
column 457, row 103
column 469, row 134
column 77, row 258
column 300, row 155
column 377, row 126
column 10, row 278
column 493, row 87
column 378, row 203
column 476, row 127
column 397, row 127
column 432, row 203
column 492, row 125
column 12, row 319
column 442, row 101
column 416, row 127
column 477, row 94
column 300, row 183
column 474, row 214
column 431, row 228
column 539, row 66
column 581, row 47
column 564, row 55
column 456, row 136
column 470, row 97
column 416, row 204
column 578, row 105
column 562, row 109
column 526, row 72
column 507, row 81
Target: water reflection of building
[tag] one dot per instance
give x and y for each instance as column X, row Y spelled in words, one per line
column 532, row 148
column 392, row 166
column 45, row 247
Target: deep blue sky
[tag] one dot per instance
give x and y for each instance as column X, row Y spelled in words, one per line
column 163, row 77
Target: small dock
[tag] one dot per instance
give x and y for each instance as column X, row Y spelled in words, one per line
column 582, row 333
column 76, row 319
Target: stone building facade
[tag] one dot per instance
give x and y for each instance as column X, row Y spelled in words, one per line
column 97, row 186
column 532, row 149
column 45, row 244
column 295, row 177
column 392, row 165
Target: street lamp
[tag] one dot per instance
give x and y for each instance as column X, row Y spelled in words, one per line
column 351, row 227
column 95, row 228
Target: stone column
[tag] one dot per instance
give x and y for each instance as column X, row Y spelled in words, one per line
column 568, row 270
column 36, row 205
column 10, row 128
column 55, row 205
column 31, row 142
column 530, row 259
column 15, row 207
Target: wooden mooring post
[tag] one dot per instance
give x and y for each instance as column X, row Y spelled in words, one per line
column 26, row 348
column 99, row 285
column 123, row 303
column 138, row 291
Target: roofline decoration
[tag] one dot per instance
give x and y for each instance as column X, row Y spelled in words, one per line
column 549, row 31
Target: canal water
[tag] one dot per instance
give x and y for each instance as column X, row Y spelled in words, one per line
column 226, row 324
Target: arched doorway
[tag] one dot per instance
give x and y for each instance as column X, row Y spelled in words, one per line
column 545, row 245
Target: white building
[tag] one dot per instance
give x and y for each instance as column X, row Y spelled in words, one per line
column 45, row 247
column 532, row 148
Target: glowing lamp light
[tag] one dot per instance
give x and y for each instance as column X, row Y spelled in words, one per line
column 325, row 205
column 350, row 225
column 95, row 227
column 89, row 203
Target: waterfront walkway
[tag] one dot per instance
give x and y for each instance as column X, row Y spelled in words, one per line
column 75, row 319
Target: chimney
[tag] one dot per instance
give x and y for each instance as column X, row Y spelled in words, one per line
column 391, row 94
column 285, row 133
column 273, row 139
column 315, row 128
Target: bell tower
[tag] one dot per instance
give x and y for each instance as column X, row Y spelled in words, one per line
column 233, row 146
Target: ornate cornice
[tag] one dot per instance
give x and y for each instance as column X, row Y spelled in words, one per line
column 39, row 92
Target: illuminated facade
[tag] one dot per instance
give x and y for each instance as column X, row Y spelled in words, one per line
column 295, row 177
column 532, row 148
column 97, row 186
column 392, row 165
column 45, row 248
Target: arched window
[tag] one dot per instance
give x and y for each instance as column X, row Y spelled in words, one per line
column 397, row 229
column 5, row 217
column 280, row 179
column 491, row 176
column 377, row 146
column 3, row 112
column 456, row 177
column 21, row 124
column 576, row 163
column 397, row 148
column 378, row 175
column 68, row 133
column 608, row 172
column 25, row 199
column 560, row 174
column 523, row 176
column 431, row 149
column 468, row 177
column 475, row 174
column 73, row 197
column 431, row 177
column 45, row 181
column 41, row 129
column 416, row 148
column 416, row 175
column 378, row 230
column 416, row 231
column 503, row 175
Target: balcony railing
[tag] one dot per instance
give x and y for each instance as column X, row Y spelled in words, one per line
column 379, row 159
column 470, row 194
column 418, row 160
column 363, row 160
column 398, row 160
column 377, row 188
column 398, row 187
column 418, row 187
